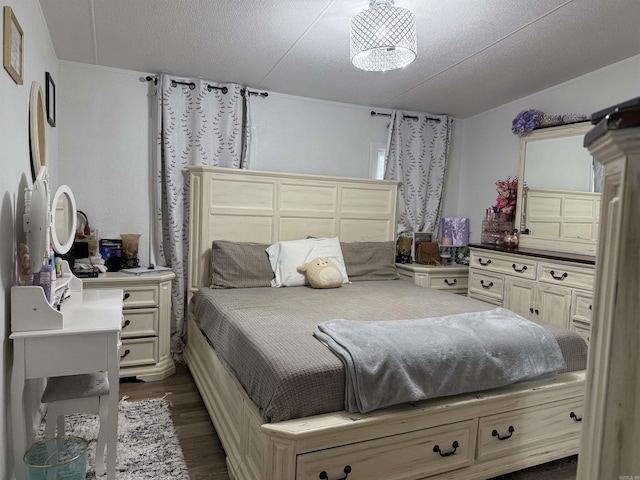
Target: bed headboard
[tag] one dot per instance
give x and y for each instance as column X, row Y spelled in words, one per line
column 267, row 207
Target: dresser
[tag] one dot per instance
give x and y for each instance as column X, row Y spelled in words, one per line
column 554, row 287
column 453, row 278
column 146, row 328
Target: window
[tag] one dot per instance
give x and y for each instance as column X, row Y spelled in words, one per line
column 377, row 160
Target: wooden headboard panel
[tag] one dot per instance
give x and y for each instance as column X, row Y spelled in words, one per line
column 267, row 207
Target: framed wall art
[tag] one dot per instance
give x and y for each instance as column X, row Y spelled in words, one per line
column 13, row 51
column 50, row 89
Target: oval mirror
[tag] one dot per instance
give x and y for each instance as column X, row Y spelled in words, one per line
column 37, row 221
column 63, row 219
column 37, row 130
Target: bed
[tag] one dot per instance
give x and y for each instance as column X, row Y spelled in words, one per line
column 471, row 435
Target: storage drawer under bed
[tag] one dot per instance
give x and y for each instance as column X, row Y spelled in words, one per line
column 408, row 455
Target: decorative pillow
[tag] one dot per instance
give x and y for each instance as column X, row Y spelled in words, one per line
column 239, row 265
column 285, row 257
column 322, row 273
column 370, row 260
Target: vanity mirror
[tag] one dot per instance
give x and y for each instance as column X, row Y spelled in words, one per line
column 46, row 223
column 561, row 209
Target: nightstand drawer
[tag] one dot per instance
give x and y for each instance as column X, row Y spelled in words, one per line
column 442, row 281
column 140, row 322
column 138, row 351
column 486, row 284
column 140, row 297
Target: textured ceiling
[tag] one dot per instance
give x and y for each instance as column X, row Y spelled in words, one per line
column 473, row 55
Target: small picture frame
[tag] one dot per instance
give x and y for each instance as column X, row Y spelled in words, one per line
column 13, row 51
column 50, row 97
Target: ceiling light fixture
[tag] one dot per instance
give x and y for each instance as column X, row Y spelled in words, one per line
column 383, row 37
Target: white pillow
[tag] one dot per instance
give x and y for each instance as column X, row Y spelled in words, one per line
column 285, row 257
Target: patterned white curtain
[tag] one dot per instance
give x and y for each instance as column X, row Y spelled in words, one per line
column 417, row 154
column 196, row 123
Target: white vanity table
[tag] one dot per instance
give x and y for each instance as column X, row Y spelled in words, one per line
column 85, row 338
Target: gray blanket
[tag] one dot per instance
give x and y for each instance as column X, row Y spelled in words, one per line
column 391, row 362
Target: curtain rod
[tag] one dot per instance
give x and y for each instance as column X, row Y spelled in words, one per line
column 373, row 113
column 192, row 85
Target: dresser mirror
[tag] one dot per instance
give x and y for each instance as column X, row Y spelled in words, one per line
column 561, row 209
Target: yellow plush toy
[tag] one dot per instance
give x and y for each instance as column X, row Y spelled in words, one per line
column 322, row 273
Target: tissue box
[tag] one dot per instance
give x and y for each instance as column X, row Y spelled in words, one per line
column 456, row 228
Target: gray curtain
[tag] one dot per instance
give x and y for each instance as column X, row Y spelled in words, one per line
column 193, row 126
column 417, row 153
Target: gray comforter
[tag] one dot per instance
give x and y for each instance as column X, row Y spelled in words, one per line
column 265, row 337
column 391, row 362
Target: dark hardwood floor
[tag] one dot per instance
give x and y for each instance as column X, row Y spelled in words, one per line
column 203, row 452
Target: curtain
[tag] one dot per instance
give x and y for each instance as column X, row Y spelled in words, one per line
column 193, row 126
column 417, row 153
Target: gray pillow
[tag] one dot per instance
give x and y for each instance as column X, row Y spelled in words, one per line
column 239, row 265
column 370, row 260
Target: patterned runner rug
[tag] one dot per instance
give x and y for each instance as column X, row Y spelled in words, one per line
column 148, row 446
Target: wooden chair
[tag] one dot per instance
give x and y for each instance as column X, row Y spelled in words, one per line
column 87, row 393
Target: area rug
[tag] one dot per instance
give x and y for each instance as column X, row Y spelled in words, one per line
column 148, row 446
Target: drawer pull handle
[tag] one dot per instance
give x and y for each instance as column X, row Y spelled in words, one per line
column 126, row 295
column 446, row 280
column 531, row 310
column 489, row 285
column 523, row 269
column 488, row 262
column 126, row 352
column 126, row 324
column 575, row 417
column 560, row 277
column 347, row 471
column 537, row 311
column 590, row 307
column 496, row 434
column 455, row 446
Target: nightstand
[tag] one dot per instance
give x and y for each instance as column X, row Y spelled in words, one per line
column 452, row 278
column 146, row 329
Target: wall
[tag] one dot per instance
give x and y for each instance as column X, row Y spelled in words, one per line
column 485, row 150
column 104, row 141
column 39, row 57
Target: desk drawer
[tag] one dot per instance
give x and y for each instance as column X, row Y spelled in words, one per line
column 486, row 284
column 408, row 455
column 140, row 322
column 138, row 351
column 139, row 297
column 510, row 265
column 529, row 427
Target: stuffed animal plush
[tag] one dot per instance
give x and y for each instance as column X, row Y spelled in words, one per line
column 322, row 273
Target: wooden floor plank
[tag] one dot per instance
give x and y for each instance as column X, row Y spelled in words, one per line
column 204, row 454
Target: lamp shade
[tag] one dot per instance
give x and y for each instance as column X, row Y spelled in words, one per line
column 383, row 37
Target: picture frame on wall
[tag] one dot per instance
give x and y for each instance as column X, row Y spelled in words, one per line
column 13, row 50
column 50, row 98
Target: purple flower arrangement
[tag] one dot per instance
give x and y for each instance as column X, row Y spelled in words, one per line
column 526, row 121
column 529, row 120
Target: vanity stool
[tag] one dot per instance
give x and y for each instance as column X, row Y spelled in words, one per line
column 86, row 393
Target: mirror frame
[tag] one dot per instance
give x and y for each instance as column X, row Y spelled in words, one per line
column 37, row 221
column 62, row 246
column 577, row 245
column 37, row 130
